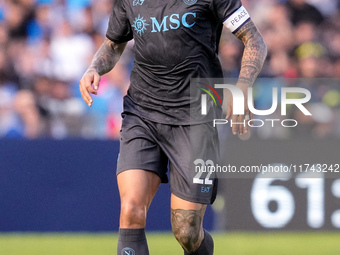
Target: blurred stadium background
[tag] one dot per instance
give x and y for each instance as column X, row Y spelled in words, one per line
column 58, row 191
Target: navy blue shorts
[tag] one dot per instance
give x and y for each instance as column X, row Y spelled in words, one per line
column 188, row 151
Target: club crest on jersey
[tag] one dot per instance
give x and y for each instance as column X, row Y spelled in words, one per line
column 190, row 2
column 128, row 251
column 137, row 2
column 140, row 25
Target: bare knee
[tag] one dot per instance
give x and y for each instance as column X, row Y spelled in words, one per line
column 132, row 214
column 136, row 189
column 187, row 228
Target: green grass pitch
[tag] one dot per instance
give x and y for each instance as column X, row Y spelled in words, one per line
column 165, row 244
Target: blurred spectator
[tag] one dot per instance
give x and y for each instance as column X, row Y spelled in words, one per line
column 66, row 112
column 28, row 114
column 40, row 26
column 301, row 11
column 327, row 7
column 70, row 52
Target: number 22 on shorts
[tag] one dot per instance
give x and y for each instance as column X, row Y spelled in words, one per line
column 201, row 167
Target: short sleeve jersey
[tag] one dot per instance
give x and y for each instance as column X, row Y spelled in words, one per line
column 175, row 40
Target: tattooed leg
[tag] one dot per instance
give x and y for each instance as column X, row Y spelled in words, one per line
column 187, row 227
column 187, row 221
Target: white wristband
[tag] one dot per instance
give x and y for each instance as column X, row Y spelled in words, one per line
column 237, row 19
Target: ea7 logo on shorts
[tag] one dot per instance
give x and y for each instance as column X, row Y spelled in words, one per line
column 137, row 2
column 128, row 251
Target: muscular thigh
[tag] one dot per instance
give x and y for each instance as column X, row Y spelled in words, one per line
column 139, row 148
column 138, row 186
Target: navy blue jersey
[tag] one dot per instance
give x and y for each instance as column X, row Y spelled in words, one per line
column 175, row 40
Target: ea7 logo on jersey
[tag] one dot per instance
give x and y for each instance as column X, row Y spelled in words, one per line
column 137, row 2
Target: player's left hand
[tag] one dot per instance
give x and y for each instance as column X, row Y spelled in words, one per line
column 242, row 127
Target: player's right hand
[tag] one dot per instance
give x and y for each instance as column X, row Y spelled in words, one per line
column 240, row 128
column 89, row 83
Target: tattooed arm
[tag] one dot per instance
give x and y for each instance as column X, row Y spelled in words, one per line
column 255, row 52
column 103, row 61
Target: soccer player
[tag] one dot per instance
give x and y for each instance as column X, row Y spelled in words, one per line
column 175, row 40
